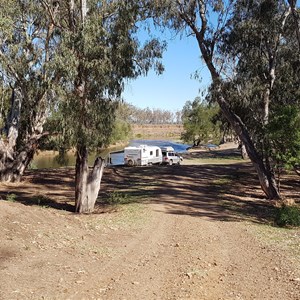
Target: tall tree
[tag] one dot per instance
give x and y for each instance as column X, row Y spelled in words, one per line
column 207, row 22
column 26, row 49
column 198, row 122
column 100, row 49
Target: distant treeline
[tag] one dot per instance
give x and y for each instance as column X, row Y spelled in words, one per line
column 135, row 115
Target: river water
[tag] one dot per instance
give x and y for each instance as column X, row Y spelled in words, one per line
column 50, row 159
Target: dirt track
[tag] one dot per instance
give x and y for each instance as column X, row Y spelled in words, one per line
column 192, row 232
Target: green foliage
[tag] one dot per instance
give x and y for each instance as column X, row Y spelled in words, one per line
column 264, row 92
column 115, row 198
column 121, row 131
column 93, row 60
column 71, row 67
column 27, row 48
column 11, row 197
column 32, row 166
column 198, row 122
column 288, row 216
column 284, row 136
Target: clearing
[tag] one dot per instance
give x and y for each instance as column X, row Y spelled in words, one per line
column 196, row 231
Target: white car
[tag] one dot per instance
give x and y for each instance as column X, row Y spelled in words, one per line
column 170, row 157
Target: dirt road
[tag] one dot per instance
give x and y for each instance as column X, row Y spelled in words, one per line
column 191, row 232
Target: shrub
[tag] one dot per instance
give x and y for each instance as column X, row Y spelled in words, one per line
column 288, row 216
column 115, row 198
column 11, row 197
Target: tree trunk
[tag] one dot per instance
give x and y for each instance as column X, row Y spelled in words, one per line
column 296, row 17
column 297, row 171
column 266, row 178
column 87, row 182
column 13, row 164
column 244, row 152
column 14, row 161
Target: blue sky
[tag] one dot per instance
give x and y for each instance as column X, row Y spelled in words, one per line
column 175, row 86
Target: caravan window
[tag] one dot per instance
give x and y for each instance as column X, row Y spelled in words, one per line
column 151, row 152
column 157, row 152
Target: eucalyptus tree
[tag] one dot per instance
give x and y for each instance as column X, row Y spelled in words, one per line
column 262, row 35
column 296, row 18
column 208, row 21
column 255, row 34
column 198, row 122
column 284, row 135
column 26, row 49
column 98, row 50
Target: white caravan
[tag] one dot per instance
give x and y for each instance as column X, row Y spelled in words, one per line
column 142, row 155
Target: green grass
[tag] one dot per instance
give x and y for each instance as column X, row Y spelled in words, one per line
column 119, row 198
column 222, row 181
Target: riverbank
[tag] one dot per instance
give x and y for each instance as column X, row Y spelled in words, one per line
column 157, row 131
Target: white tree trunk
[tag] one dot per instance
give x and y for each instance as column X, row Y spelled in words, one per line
column 87, row 182
column 244, row 152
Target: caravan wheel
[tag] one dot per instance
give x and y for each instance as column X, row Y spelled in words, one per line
column 130, row 163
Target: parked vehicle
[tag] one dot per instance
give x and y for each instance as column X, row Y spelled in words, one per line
column 142, row 155
column 170, row 157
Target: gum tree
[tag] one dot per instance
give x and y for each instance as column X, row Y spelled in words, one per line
column 75, row 56
column 98, row 51
column 198, row 122
column 26, row 50
column 207, row 21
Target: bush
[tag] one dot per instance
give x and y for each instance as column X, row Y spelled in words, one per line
column 11, row 197
column 115, row 198
column 288, row 216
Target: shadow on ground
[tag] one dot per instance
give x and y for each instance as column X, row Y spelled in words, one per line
column 224, row 192
column 217, row 192
column 45, row 187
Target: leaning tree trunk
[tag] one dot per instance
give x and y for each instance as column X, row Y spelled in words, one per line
column 13, row 159
column 206, row 46
column 87, row 182
column 266, row 178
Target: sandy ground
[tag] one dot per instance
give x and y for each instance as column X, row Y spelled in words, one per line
column 187, row 232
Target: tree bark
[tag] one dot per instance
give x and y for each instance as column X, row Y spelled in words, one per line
column 87, row 182
column 266, row 178
column 14, row 161
column 296, row 17
column 206, row 46
column 244, row 152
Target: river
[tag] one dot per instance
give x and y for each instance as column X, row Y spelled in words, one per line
column 49, row 159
